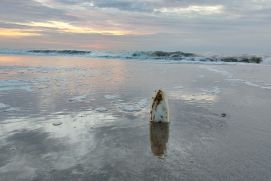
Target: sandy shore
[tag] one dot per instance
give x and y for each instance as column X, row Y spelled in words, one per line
column 68, row 118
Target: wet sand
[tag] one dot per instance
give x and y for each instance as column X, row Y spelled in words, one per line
column 70, row 118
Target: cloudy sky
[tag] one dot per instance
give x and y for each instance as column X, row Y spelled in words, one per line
column 207, row 26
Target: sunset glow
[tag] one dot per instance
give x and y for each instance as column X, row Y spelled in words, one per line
column 5, row 32
column 67, row 27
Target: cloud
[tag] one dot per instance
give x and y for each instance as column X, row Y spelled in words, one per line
column 128, row 5
column 193, row 9
column 200, row 25
column 28, row 10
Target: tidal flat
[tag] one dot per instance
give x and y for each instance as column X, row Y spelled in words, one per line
column 79, row 118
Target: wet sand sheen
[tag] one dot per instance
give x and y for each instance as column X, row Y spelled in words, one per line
column 74, row 118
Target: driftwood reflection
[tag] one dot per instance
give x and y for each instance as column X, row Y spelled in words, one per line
column 159, row 134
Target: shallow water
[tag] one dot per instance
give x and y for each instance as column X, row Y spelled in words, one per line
column 85, row 119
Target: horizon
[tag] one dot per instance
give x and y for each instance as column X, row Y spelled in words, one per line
column 215, row 27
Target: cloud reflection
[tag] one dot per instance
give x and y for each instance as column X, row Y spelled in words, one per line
column 200, row 97
column 76, row 134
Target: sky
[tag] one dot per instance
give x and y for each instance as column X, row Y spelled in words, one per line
column 199, row 26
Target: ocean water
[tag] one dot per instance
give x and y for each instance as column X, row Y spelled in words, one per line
column 85, row 118
column 157, row 56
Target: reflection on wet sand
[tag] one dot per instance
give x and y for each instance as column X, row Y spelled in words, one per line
column 159, row 133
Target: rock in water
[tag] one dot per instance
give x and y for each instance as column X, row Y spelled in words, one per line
column 159, row 109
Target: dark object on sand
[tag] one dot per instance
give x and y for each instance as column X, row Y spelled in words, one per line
column 57, row 123
column 223, row 115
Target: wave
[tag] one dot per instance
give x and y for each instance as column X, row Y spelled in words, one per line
column 171, row 57
column 196, row 58
column 67, row 52
column 44, row 52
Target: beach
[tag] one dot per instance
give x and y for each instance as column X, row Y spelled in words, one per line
column 84, row 118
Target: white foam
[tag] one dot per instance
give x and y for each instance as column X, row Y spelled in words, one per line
column 12, row 109
column 101, row 109
column 199, row 97
column 113, row 96
column 229, row 76
column 3, row 106
column 216, row 70
column 143, row 103
column 269, row 87
column 178, row 87
column 214, row 90
column 129, row 108
column 78, row 98
column 7, row 108
column 259, row 84
column 251, row 83
column 267, row 60
column 133, row 107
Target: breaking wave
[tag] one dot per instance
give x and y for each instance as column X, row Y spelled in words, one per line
column 61, row 52
column 174, row 57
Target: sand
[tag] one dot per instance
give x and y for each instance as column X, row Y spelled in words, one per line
column 70, row 118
